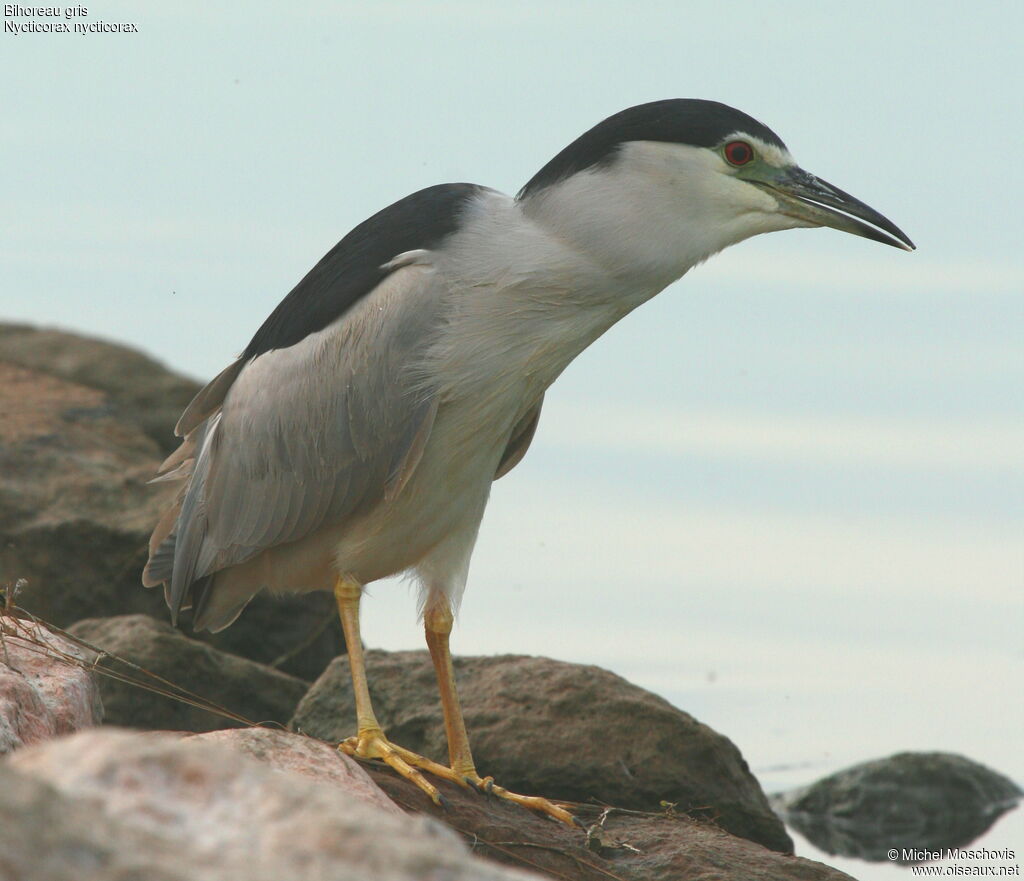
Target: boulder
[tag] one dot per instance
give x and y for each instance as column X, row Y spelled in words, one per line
column 76, row 510
column 298, row 634
column 48, row 836
column 141, row 390
column 42, row 695
column 74, row 505
column 909, row 802
column 213, row 813
column 565, row 731
column 297, row 754
column 255, row 691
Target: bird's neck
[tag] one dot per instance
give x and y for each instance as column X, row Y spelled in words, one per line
column 646, row 219
column 528, row 295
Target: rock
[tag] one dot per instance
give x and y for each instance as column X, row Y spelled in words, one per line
column 297, row 754
column 255, row 691
column 298, row 633
column 76, row 510
column 41, row 696
column 912, row 801
column 189, row 808
column 74, row 505
column 216, row 814
column 565, row 731
column 629, row 846
column 141, row 390
column 47, row 836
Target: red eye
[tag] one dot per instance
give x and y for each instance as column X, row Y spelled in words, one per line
column 738, row 152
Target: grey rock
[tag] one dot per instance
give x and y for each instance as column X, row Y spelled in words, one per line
column 201, row 810
column 564, row 731
column 255, row 691
column 908, row 801
column 298, row 634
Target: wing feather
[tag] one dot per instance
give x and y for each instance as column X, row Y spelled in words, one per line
column 209, row 399
column 520, row 440
column 312, row 433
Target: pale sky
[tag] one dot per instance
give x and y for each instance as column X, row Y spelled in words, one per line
column 796, row 473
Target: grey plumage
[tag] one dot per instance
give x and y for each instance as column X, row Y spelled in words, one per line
column 303, row 437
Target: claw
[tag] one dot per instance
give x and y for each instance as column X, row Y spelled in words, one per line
column 372, row 744
column 530, row 802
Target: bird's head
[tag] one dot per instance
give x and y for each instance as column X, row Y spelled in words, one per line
column 662, row 186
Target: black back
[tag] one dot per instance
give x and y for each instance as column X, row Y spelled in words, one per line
column 677, row 120
column 352, row 268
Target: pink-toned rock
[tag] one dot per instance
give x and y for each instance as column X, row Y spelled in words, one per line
column 299, row 754
column 227, row 816
column 47, row 836
column 41, row 695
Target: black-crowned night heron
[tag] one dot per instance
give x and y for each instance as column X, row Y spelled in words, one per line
column 358, row 434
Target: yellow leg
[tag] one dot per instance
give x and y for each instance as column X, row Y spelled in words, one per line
column 437, row 622
column 370, row 742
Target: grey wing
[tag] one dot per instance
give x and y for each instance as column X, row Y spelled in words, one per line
column 309, row 434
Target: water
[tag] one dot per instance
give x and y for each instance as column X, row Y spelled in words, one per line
column 812, row 539
column 795, row 685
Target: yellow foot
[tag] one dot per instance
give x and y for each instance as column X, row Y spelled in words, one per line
column 530, row 802
column 372, row 744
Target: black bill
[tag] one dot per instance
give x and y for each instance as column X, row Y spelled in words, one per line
column 811, row 199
